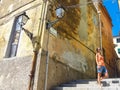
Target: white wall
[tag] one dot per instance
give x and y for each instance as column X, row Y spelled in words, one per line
column 117, row 45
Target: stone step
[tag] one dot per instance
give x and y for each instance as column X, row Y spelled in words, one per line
column 83, row 82
column 68, row 85
column 91, row 84
column 111, row 80
column 95, row 81
column 87, row 85
column 86, row 88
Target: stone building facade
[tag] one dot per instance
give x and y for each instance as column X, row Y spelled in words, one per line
column 108, row 47
column 68, row 54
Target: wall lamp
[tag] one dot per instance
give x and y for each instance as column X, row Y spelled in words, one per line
column 23, row 20
column 59, row 11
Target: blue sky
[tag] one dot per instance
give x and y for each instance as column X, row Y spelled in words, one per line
column 114, row 12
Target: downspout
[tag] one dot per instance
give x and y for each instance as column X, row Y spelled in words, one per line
column 96, row 4
column 47, row 61
column 38, row 43
column 46, row 72
column 100, row 31
column 47, row 53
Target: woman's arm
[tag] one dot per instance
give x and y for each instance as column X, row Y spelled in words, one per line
column 97, row 59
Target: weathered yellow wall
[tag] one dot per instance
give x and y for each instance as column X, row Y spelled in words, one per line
column 4, row 37
column 107, row 41
column 73, row 50
column 58, row 73
column 75, row 44
column 77, row 38
column 6, row 7
column 7, row 18
column 118, row 68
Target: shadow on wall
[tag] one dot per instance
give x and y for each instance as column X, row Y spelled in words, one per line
column 118, row 67
column 71, row 20
column 58, row 73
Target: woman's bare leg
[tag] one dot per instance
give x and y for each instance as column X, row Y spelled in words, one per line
column 99, row 78
column 105, row 76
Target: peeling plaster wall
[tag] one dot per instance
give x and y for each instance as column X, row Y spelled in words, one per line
column 12, row 5
column 6, row 27
column 72, row 52
column 107, row 41
column 118, row 68
column 58, row 73
column 77, row 37
column 4, row 37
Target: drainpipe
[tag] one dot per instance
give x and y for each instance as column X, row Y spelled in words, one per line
column 38, row 43
column 46, row 72
column 96, row 4
column 100, row 31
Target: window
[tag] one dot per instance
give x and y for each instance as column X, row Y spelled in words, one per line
column 118, row 40
column 118, row 50
column 14, row 38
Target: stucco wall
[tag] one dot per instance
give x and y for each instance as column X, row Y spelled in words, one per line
column 33, row 10
column 14, row 73
column 71, row 53
column 5, row 31
column 7, row 7
column 77, row 38
column 73, row 56
column 118, row 68
column 58, row 73
column 107, row 41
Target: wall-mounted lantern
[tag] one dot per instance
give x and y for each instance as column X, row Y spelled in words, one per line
column 24, row 19
column 59, row 11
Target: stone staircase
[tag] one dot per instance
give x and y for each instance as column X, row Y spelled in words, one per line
column 91, row 84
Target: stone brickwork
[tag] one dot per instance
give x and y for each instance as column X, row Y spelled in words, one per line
column 14, row 73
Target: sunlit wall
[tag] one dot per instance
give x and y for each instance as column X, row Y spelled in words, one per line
column 119, row 3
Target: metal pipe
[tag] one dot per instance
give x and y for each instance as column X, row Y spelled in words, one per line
column 100, row 31
column 46, row 73
column 32, row 73
column 38, row 43
column 96, row 4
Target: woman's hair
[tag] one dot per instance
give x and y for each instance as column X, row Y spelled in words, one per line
column 98, row 49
